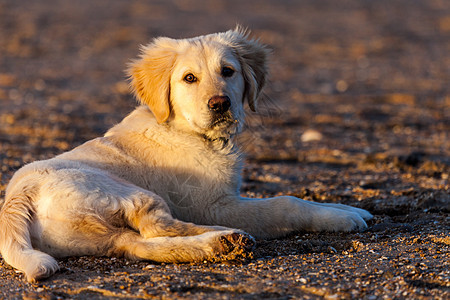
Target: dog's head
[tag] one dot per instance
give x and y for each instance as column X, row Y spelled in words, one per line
column 200, row 84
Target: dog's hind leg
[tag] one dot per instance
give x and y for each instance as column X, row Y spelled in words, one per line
column 214, row 245
column 155, row 235
column 96, row 236
column 150, row 215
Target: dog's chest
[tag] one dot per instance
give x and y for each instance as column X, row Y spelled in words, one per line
column 183, row 168
column 194, row 174
column 205, row 167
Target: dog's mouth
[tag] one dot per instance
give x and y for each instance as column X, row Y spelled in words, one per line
column 222, row 121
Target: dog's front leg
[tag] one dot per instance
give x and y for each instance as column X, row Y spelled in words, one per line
column 279, row 216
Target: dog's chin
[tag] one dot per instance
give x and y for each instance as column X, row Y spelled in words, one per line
column 222, row 128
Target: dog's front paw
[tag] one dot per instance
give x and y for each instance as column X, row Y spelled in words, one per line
column 361, row 212
column 335, row 219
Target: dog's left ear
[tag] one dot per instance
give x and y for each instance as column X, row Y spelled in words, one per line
column 254, row 60
column 150, row 76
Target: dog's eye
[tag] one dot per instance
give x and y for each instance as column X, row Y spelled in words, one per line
column 227, row 72
column 190, row 78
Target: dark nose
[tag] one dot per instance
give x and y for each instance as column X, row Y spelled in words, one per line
column 219, row 104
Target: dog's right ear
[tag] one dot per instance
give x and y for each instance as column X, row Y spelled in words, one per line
column 150, row 76
column 254, row 59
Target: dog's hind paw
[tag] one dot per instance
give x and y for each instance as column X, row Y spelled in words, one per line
column 236, row 246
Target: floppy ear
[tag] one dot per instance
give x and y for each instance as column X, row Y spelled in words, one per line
column 253, row 56
column 150, row 76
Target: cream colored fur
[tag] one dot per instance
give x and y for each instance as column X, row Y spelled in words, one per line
column 172, row 163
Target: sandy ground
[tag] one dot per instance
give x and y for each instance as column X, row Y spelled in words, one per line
column 359, row 114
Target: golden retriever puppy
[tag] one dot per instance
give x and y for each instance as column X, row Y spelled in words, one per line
column 173, row 163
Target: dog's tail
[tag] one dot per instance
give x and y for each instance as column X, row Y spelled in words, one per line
column 15, row 242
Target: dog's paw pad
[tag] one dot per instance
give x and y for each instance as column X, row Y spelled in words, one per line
column 237, row 240
column 236, row 246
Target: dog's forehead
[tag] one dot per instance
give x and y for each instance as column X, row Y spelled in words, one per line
column 209, row 53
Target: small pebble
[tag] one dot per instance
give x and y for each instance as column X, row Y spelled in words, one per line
column 311, row 135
